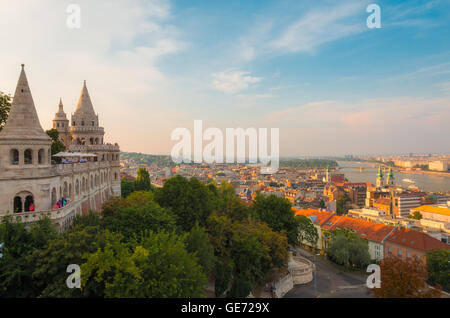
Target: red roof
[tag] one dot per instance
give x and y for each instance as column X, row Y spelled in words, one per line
column 416, row 240
column 320, row 216
column 366, row 229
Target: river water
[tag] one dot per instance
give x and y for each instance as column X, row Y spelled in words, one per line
column 422, row 181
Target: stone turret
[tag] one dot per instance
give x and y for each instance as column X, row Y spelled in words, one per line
column 85, row 127
column 61, row 124
column 23, row 142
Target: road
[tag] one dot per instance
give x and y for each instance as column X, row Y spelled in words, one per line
column 331, row 282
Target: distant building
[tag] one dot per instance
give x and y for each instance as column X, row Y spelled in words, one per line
column 439, row 165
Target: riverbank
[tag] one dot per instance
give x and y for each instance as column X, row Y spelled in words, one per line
column 430, row 173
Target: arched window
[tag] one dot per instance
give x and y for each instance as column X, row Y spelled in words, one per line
column 18, row 205
column 41, row 156
column 70, row 191
column 29, row 204
column 14, row 156
column 115, row 176
column 91, row 140
column 82, row 123
column 65, row 191
column 54, row 199
column 28, row 157
column 77, row 187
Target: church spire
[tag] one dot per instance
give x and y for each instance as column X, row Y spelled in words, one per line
column 84, row 103
column 23, row 121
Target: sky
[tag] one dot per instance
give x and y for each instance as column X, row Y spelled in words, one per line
column 313, row 69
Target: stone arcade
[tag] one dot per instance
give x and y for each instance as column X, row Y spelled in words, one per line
column 30, row 184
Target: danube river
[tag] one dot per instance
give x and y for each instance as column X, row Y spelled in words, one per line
column 424, row 182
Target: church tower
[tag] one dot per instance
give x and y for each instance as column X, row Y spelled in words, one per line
column 327, row 174
column 380, row 178
column 390, row 177
column 61, row 124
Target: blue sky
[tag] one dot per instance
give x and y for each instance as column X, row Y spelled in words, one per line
column 311, row 68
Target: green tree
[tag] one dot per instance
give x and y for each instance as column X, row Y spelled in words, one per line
column 50, row 264
column 438, row 262
column 57, row 145
column 349, row 249
column 198, row 243
column 160, row 267
column 136, row 215
column 142, row 182
column 5, row 106
column 307, row 231
column 127, row 187
column 190, row 200
column 415, row 216
column 16, row 265
column 341, row 205
column 278, row 214
column 322, row 204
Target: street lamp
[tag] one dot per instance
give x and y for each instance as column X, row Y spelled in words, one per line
column 315, row 275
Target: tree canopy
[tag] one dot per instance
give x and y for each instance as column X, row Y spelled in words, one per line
column 278, row 214
column 5, row 106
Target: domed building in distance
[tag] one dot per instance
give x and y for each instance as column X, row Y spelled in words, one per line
column 31, row 185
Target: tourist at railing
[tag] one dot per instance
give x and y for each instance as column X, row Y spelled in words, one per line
column 61, row 203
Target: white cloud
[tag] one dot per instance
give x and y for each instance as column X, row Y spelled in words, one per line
column 117, row 50
column 233, row 81
column 319, row 26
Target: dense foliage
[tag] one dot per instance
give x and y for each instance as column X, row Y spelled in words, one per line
column 308, row 163
column 277, row 213
column 5, row 106
column 348, row 249
column 140, row 158
column 438, row 265
column 166, row 242
column 57, row 145
column 404, row 278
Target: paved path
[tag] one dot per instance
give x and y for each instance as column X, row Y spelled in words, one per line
column 331, row 282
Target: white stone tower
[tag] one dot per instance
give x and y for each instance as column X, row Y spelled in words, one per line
column 24, row 155
column 85, row 127
column 61, row 124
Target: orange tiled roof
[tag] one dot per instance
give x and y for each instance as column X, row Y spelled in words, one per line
column 320, row 216
column 366, row 229
column 416, row 240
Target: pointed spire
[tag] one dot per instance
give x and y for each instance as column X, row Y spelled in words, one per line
column 60, row 115
column 380, row 172
column 84, row 103
column 23, row 121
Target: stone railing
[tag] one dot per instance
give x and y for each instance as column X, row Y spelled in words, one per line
column 28, row 217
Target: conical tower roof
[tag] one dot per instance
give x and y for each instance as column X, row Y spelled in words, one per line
column 84, row 105
column 60, row 115
column 23, row 121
